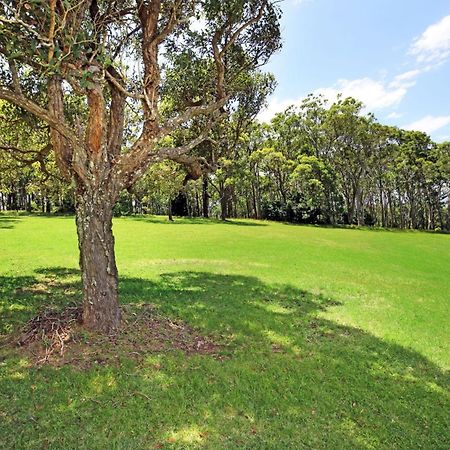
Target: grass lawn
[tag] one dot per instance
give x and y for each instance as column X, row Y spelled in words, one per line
column 333, row 338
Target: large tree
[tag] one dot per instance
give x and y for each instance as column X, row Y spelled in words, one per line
column 112, row 59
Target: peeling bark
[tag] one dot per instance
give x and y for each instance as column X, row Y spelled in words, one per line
column 94, row 214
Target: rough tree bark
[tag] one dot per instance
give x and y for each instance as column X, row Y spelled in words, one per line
column 94, row 213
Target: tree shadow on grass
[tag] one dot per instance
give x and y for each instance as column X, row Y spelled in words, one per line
column 294, row 379
column 371, row 228
column 196, row 221
column 7, row 221
column 21, row 297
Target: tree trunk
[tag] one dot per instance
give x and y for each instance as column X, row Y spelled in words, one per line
column 448, row 211
column 255, row 206
column 180, row 205
column 29, row 203
column 225, row 202
column 359, row 207
column 412, row 212
column 392, row 222
column 94, row 212
column 223, row 208
column 12, row 200
column 205, row 196
column 169, row 210
column 380, row 191
column 48, row 206
column 350, row 209
column 197, row 204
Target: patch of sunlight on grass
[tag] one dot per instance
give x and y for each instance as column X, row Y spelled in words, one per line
column 16, row 307
column 282, row 341
column 164, row 382
column 273, row 308
column 187, row 435
column 17, row 375
column 191, row 262
column 183, row 262
column 438, row 389
column 102, row 383
column 155, row 374
column 16, row 369
column 16, row 364
column 277, row 338
column 153, row 360
column 352, row 429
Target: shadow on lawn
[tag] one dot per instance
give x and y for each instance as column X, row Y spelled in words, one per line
column 7, row 221
column 294, row 380
column 366, row 228
column 195, row 221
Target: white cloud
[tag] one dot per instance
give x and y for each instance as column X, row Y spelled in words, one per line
column 276, row 106
column 394, row 115
column 405, row 76
column 434, row 44
column 406, row 79
column 429, row 124
column 374, row 94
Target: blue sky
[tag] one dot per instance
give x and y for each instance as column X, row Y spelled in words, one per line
column 394, row 55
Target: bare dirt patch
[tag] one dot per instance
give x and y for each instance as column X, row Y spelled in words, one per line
column 57, row 338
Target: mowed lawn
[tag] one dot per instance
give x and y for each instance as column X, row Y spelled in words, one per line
column 334, row 338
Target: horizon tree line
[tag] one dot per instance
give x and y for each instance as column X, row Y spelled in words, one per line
column 315, row 164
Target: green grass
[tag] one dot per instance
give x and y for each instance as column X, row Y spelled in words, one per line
column 338, row 338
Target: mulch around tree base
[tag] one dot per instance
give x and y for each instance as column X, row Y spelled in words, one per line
column 58, row 338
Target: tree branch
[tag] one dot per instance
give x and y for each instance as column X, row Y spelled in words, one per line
column 245, row 25
column 113, row 80
column 62, row 150
column 171, row 24
column 116, row 120
column 14, row 76
column 43, row 114
column 174, row 152
column 190, row 113
column 39, row 157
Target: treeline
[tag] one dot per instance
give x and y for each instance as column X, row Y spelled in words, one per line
column 24, row 186
column 338, row 166
column 312, row 164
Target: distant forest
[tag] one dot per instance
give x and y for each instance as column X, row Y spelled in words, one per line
column 313, row 164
